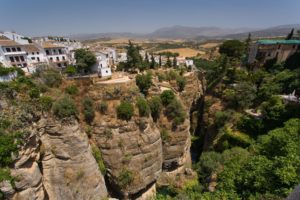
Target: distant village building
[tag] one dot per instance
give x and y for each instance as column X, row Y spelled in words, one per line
column 102, row 66
column 20, row 39
column 56, row 54
column 35, row 56
column 264, row 50
column 12, row 54
column 122, row 57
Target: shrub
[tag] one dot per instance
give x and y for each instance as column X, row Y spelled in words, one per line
column 172, row 75
column 71, row 70
column 72, row 89
column 221, row 118
column 161, row 77
column 175, row 112
column 88, row 106
column 34, row 93
column 46, row 103
column 143, row 107
column 125, row 178
column 125, row 110
column 166, row 97
column 51, row 77
column 164, row 135
column 155, row 107
column 181, row 82
column 144, row 82
column 102, row 107
column 7, row 147
column 64, row 107
column 98, row 157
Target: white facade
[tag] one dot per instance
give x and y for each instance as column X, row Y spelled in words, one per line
column 189, row 63
column 122, row 57
column 56, row 55
column 20, row 39
column 102, row 66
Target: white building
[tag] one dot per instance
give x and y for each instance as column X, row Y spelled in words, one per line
column 56, row 54
column 35, row 56
column 189, row 63
column 122, row 57
column 20, row 39
column 102, row 66
column 13, row 54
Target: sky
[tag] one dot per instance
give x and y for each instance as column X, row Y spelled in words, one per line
column 65, row 17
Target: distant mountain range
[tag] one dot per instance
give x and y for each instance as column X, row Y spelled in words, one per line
column 195, row 33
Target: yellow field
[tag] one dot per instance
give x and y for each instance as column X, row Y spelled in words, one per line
column 184, row 52
column 210, row 45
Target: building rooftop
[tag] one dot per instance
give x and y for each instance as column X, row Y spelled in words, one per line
column 278, row 41
column 31, row 48
column 49, row 45
column 8, row 43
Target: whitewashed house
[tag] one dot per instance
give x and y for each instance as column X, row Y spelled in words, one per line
column 189, row 63
column 13, row 54
column 56, row 54
column 102, row 66
column 122, row 57
column 20, row 39
column 35, row 56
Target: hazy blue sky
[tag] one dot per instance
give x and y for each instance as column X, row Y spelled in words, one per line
column 45, row 17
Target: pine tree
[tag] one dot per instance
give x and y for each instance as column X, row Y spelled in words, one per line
column 248, row 41
column 160, row 63
column 290, row 35
column 152, row 64
column 174, row 62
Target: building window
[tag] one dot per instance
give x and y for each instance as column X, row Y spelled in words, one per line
column 59, row 65
column 13, row 49
column 38, row 59
column 63, row 58
column 7, row 49
column 17, row 59
column 37, row 53
column 19, row 49
column 59, row 51
column 32, row 53
column 12, row 59
column 57, row 58
column 25, row 64
column 54, row 51
column 47, row 52
column 32, row 58
column 22, row 58
column 51, row 59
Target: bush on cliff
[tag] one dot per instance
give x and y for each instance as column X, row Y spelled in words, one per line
column 88, row 110
column 125, row 110
column 155, row 107
column 64, row 107
column 143, row 107
column 167, row 97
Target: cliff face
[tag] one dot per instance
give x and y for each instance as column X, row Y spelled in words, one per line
column 57, row 163
column 57, row 160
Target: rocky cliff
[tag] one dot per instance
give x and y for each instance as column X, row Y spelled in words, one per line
column 57, row 159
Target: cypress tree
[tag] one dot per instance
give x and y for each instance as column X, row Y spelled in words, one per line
column 174, row 62
column 290, row 35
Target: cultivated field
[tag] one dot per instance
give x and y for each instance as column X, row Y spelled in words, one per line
column 184, row 52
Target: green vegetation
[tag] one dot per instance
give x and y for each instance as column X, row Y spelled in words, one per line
column 144, row 82
column 233, row 48
column 34, row 93
column 102, row 107
column 167, row 97
column 71, row 89
column 143, row 107
column 50, row 77
column 64, row 107
column 46, row 103
column 125, row 178
column 6, row 70
column 125, row 110
column 175, row 112
column 85, row 59
column 98, row 157
column 181, row 82
column 155, row 105
column 71, row 70
column 88, row 110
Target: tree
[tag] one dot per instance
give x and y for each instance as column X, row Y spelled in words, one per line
column 125, row 110
column 155, row 107
column 248, row 41
column 85, row 59
column 134, row 59
column 166, row 97
column 181, row 82
column 160, row 63
column 174, row 62
column 152, row 63
column 233, row 48
column 144, row 82
column 64, row 107
column 290, row 35
column 168, row 63
column 175, row 112
column 88, row 110
column 143, row 107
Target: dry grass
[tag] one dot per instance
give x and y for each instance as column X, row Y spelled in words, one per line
column 210, row 45
column 184, row 52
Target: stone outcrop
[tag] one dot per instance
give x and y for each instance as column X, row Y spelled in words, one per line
column 56, row 162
